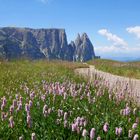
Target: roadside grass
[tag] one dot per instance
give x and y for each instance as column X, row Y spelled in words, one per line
column 45, row 100
column 126, row 69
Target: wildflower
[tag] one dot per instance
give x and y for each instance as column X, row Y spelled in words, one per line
column 20, row 99
column 29, row 120
column 65, row 123
column 60, row 112
column 30, row 103
column 92, row 133
column 85, row 123
column 65, row 95
column 14, row 103
column 11, row 110
column 33, row 136
column 16, row 96
column 19, row 107
column 74, row 127
column 2, row 116
column 4, row 101
column 134, row 111
column 21, row 138
column 106, row 127
column 27, row 107
column 98, row 138
column 45, row 112
column 127, row 111
column 2, row 106
column 84, row 133
column 130, row 134
column 65, row 116
column 134, row 126
column 136, row 137
column 118, row 131
column 137, row 120
column 49, row 110
column 11, row 122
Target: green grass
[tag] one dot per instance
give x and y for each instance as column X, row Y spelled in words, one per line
column 97, row 108
column 127, row 69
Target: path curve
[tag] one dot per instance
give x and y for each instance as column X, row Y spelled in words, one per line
column 114, row 81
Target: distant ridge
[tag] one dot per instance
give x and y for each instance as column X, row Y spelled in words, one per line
column 42, row 43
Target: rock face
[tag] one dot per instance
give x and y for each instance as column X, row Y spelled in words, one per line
column 43, row 43
column 84, row 49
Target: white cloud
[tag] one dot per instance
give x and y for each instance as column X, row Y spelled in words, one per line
column 117, row 41
column 134, row 30
column 114, row 51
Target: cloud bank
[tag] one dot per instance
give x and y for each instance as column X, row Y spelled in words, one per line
column 134, row 30
column 117, row 41
column 118, row 48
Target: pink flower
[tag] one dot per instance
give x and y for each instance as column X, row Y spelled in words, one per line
column 14, row 103
column 65, row 123
column 118, row 131
column 106, row 127
column 135, row 125
column 74, row 127
column 137, row 120
column 11, row 109
column 19, row 107
column 29, row 121
column 11, row 122
column 85, row 123
column 4, row 115
column 4, row 101
column 33, row 136
column 84, row 133
column 92, row 133
column 60, row 113
column 27, row 107
column 98, row 138
column 20, row 99
column 65, row 116
column 126, row 111
column 45, row 110
column 30, row 103
column 16, row 96
column 49, row 110
column 78, row 130
column 136, row 137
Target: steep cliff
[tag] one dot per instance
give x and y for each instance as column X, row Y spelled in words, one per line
column 43, row 43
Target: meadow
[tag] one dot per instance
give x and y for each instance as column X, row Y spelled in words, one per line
column 42, row 100
column 126, row 69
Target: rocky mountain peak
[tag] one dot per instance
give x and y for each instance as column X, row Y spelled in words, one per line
column 43, row 43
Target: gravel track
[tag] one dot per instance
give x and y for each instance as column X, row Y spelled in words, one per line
column 114, row 81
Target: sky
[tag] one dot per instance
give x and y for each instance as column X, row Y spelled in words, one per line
column 113, row 26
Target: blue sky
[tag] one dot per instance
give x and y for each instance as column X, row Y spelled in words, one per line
column 112, row 25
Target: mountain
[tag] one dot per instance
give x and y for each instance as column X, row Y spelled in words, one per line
column 43, row 43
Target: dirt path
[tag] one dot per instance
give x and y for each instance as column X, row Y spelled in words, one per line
column 114, row 81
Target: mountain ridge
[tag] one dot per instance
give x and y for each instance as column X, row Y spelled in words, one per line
column 16, row 42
